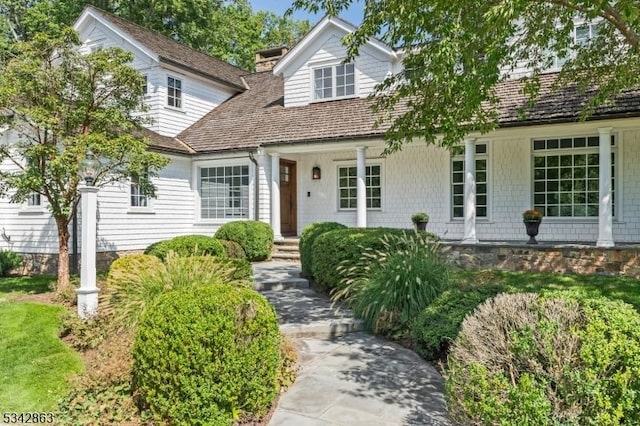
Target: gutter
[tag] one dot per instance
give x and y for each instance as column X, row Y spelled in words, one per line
column 203, row 74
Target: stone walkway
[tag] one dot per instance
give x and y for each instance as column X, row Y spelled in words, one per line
column 347, row 376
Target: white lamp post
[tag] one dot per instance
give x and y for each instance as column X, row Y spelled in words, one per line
column 88, row 292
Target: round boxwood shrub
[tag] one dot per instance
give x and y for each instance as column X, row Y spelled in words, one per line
column 256, row 238
column 125, row 269
column 207, row 353
column 341, row 249
column 187, row 245
column 307, row 238
column 546, row 360
column 233, row 249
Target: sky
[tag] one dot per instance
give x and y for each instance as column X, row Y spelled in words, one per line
column 353, row 14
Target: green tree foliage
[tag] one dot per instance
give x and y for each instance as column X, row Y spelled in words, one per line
column 456, row 52
column 229, row 30
column 60, row 104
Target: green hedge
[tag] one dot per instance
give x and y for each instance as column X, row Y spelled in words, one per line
column 534, row 360
column 187, row 245
column 208, row 353
column 308, row 237
column 343, row 247
column 256, row 238
column 9, row 260
column 233, row 249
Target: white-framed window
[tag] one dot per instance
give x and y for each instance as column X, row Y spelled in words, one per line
column 34, row 200
column 482, row 183
column 224, row 192
column 566, row 176
column 581, row 35
column 145, row 84
column 138, row 197
column 347, row 187
column 174, row 92
column 335, row 81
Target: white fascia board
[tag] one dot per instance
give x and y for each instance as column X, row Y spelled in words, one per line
column 325, row 23
column 88, row 13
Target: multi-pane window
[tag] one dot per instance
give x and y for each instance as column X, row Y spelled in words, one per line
column 34, row 200
column 457, row 183
column 334, row 81
column 581, row 36
column 566, row 176
column 138, row 196
column 348, row 187
column 224, row 192
column 145, row 84
column 174, row 92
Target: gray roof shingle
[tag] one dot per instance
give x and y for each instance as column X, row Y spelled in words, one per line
column 174, row 53
column 258, row 117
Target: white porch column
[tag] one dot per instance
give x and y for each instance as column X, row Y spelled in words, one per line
column 275, row 195
column 605, row 219
column 262, row 184
column 88, row 292
column 470, row 192
column 361, row 188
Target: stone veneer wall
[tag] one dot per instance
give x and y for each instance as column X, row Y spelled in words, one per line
column 557, row 258
column 38, row 263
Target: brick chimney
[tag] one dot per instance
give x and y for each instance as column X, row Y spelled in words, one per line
column 266, row 59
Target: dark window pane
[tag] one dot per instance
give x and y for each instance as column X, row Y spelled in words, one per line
column 538, row 144
column 458, row 212
column 566, row 143
column 539, row 161
column 552, row 144
column 593, row 141
column 481, row 149
column 481, row 212
column 579, row 142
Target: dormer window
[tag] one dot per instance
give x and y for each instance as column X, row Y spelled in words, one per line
column 336, row 81
column 174, row 93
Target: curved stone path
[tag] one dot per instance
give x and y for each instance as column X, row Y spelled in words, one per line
column 347, row 376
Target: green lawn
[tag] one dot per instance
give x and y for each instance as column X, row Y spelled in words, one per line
column 34, row 363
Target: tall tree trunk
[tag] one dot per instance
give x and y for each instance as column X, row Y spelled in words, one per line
column 63, row 284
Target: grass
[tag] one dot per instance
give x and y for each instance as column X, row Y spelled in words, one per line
column 36, row 364
column 26, row 285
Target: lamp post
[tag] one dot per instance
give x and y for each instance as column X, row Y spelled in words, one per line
column 88, row 292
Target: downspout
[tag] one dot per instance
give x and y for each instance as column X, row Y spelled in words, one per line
column 257, row 190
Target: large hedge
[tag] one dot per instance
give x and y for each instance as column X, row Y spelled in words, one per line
column 256, row 238
column 343, row 248
column 187, row 245
column 556, row 360
column 308, row 237
column 207, row 353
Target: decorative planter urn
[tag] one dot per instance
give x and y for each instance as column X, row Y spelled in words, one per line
column 532, row 230
column 422, row 225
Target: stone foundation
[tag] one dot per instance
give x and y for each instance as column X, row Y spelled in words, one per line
column 41, row 263
column 557, row 258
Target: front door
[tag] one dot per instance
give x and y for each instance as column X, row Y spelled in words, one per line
column 288, row 200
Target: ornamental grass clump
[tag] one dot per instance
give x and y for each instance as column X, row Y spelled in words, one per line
column 389, row 286
column 187, row 245
column 556, row 360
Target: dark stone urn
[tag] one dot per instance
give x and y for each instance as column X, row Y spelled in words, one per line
column 421, row 225
column 532, row 230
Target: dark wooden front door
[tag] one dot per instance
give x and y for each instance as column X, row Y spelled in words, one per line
column 288, row 199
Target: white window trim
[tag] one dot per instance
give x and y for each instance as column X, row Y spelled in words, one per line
column 181, row 108
column 148, row 209
column 325, row 64
column 616, row 150
column 571, row 54
column 195, row 175
column 488, row 156
column 352, row 163
column 25, row 208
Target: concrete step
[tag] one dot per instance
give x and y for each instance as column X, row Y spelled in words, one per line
column 287, row 242
column 287, row 256
column 304, row 313
column 287, row 284
column 286, row 248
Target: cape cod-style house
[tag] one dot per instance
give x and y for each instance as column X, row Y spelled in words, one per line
column 295, row 143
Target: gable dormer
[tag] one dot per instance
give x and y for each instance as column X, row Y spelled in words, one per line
column 315, row 69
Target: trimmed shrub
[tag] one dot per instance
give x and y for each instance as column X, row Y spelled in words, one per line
column 437, row 326
column 256, row 238
column 546, row 360
column 233, row 250
column 343, row 247
column 388, row 287
column 126, row 302
column 125, row 269
column 9, row 260
column 210, row 354
column 307, row 238
column 187, row 245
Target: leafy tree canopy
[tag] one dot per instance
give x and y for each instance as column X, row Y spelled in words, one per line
column 229, row 30
column 456, row 52
column 60, row 104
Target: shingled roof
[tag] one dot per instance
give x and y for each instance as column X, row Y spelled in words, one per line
column 258, row 117
column 167, row 144
column 174, row 53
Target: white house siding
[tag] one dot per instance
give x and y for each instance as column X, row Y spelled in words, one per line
column 123, row 228
column 418, row 179
column 371, row 69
